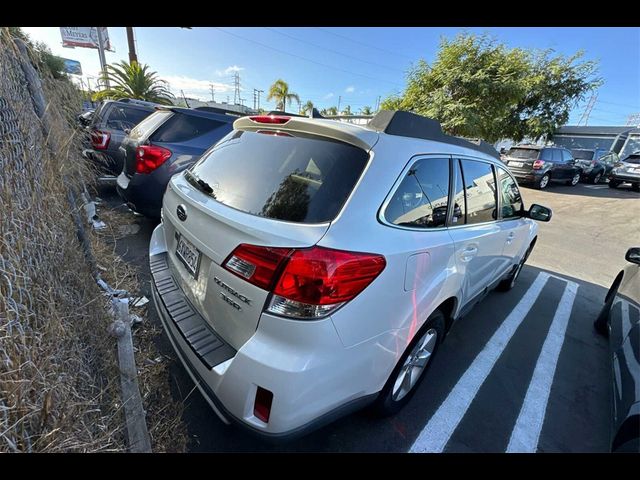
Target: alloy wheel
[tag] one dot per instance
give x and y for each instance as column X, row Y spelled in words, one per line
column 575, row 179
column 544, row 181
column 597, row 178
column 414, row 365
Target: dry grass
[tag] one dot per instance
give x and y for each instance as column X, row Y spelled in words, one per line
column 59, row 380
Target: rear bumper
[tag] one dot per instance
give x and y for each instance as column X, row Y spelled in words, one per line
column 527, row 176
column 625, row 177
column 313, row 377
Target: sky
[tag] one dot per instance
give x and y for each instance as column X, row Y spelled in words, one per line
column 347, row 65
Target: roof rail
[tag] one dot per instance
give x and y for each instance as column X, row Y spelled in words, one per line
column 278, row 112
column 219, row 110
column 409, row 124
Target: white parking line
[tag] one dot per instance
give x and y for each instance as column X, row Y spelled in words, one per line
column 596, row 187
column 435, row 435
column 526, row 432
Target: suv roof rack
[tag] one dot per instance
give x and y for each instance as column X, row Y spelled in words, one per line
column 219, row 110
column 409, row 124
column 135, row 101
column 278, row 112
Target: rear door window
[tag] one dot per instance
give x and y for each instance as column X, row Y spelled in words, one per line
column 421, row 199
column 293, row 177
column 566, row 156
column 480, row 187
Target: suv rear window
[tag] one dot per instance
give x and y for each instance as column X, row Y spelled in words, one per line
column 302, row 178
column 634, row 158
column 582, row 154
column 150, row 123
column 123, row 118
column 182, row 128
column 525, row 153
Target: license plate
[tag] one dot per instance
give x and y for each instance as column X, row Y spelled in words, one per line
column 188, row 255
column 515, row 164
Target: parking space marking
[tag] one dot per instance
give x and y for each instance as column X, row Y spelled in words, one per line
column 596, row 187
column 526, row 432
column 435, row 435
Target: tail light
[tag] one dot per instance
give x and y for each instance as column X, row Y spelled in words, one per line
column 150, row 157
column 306, row 283
column 100, row 139
column 538, row 164
column 277, row 119
column 262, row 404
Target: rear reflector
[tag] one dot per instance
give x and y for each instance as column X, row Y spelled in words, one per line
column 270, row 119
column 262, row 405
column 150, row 157
column 100, row 139
column 538, row 164
column 306, row 283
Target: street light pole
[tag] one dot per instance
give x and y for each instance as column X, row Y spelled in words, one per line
column 103, row 61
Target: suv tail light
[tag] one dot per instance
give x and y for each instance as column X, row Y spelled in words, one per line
column 538, row 164
column 306, row 283
column 262, row 404
column 150, row 157
column 100, row 139
column 278, row 119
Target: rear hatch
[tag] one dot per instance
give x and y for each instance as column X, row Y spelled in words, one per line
column 631, row 165
column 266, row 189
column 520, row 159
column 183, row 134
column 584, row 158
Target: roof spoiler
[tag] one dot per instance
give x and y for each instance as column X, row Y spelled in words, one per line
column 409, row 124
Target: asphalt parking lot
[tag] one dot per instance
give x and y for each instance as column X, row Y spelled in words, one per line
column 524, row 371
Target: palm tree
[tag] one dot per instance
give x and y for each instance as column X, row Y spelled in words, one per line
column 367, row 110
column 331, row 111
column 280, row 92
column 306, row 108
column 132, row 80
column 347, row 110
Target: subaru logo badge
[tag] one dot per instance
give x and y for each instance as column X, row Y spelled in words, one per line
column 181, row 211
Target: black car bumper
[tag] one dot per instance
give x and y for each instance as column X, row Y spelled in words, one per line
column 528, row 176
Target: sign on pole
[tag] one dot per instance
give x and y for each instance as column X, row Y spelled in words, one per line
column 84, row 37
column 72, row 66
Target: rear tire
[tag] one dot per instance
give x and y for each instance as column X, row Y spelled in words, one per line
column 596, row 178
column 394, row 395
column 613, row 183
column 635, row 187
column 543, row 182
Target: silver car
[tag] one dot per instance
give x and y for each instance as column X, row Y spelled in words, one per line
column 305, row 268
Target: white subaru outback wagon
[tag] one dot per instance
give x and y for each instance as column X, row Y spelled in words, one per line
column 305, row 267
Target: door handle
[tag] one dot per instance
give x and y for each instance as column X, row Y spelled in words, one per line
column 468, row 253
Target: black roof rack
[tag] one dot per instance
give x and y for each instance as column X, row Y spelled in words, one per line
column 278, row 112
column 409, row 124
column 220, row 110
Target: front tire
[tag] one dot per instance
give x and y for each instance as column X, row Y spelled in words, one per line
column 596, row 178
column 635, row 187
column 574, row 180
column 509, row 282
column 613, row 183
column 601, row 324
column 412, row 367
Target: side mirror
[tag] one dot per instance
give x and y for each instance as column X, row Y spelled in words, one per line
column 127, row 131
column 540, row 213
column 633, row 255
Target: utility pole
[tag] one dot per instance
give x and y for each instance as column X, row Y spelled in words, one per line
column 587, row 111
column 212, row 92
column 377, row 103
column 259, row 92
column 256, row 98
column 339, row 100
column 236, row 88
column 132, row 46
column 103, row 61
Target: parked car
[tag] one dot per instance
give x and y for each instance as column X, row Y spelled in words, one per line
column 305, row 268
column 595, row 163
column 165, row 143
column 111, row 122
column 540, row 165
column 85, row 118
column 619, row 319
column 628, row 170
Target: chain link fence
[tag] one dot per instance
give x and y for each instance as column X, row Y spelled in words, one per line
column 58, row 375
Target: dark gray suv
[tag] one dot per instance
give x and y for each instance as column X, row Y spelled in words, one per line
column 111, row 123
column 539, row 165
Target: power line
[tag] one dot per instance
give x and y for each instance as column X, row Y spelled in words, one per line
column 366, row 44
column 334, row 51
column 304, row 58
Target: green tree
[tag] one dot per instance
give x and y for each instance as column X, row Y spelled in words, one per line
column 366, row 110
column 307, row 107
column 347, row 110
column 132, row 80
column 330, row 111
column 279, row 92
column 479, row 88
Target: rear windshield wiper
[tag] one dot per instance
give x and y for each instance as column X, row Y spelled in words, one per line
column 198, row 182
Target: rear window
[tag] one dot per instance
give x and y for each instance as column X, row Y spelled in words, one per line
column 301, row 178
column 582, row 154
column 182, row 128
column 525, row 153
column 150, row 123
column 125, row 118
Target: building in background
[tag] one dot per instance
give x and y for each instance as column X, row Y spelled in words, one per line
column 622, row 140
